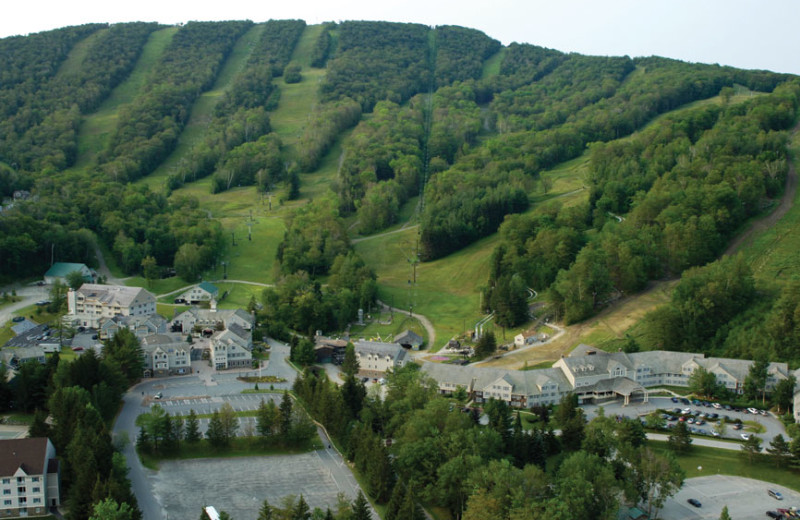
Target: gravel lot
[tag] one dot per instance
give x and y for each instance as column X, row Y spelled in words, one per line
column 746, row 498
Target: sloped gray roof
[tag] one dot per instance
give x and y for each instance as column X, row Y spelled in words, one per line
column 23, row 326
column 408, row 337
column 112, row 294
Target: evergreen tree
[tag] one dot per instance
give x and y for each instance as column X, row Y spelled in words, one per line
column 192, row 434
column 724, row 515
column 216, row 432
column 751, row 448
column 266, row 512
column 361, row 508
column 779, row 451
column 301, row 511
column 486, row 345
column 396, row 501
column 265, row 419
column 285, row 416
column 679, row 439
column 39, row 427
column 350, row 366
column 380, row 474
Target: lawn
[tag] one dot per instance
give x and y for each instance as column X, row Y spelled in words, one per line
column 446, row 291
column 377, row 331
column 160, row 286
column 715, row 461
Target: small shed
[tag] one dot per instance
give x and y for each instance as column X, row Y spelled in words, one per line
column 409, row 339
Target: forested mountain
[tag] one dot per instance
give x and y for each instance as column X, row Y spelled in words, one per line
column 444, row 113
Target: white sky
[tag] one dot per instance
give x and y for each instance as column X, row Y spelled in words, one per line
column 753, row 34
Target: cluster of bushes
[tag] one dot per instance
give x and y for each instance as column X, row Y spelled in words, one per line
column 322, row 46
column 377, row 61
column 660, row 85
column 460, row 53
column 685, row 186
column 325, row 123
column 42, row 106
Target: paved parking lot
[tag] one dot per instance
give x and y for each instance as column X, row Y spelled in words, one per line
column 771, row 424
column 240, row 485
column 746, row 498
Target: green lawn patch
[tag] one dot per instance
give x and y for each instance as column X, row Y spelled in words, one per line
column 17, row 418
column 714, row 461
column 240, row 447
column 386, row 332
column 160, row 286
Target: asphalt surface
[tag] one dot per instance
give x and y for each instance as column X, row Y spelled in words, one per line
column 236, row 485
column 772, row 426
column 746, row 498
column 29, row 294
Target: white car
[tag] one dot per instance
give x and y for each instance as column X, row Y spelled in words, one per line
column 752, row 410
column 745, row 436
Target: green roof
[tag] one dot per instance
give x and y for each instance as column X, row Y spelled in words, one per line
column 62, row 269
column 208, row 287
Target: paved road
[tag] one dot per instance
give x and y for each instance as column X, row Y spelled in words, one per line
column 29, row 294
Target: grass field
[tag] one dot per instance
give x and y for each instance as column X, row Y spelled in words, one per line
column 715, row 461
column 379, row 332
column 203, row 108
column 96, row 127
column 162, row 286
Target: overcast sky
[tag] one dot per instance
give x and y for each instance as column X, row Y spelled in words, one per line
column 756, row 34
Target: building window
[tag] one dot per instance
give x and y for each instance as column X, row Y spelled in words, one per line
column 6, row 491
column 6, row 502
column 34, row 479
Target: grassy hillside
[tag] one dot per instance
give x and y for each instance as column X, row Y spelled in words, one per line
column 204, row 107
column 297, row 99
column 448, row 289
column 97, row 127
column 78, row 53
column 773, row 253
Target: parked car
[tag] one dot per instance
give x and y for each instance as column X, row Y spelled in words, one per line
column 752, row 410
column 745, row 436
column 17, row 319
column 674, row 399
column 158, row 396
column 774, row 514
column 737, row 426
column 774, row 494
column 694, row 502
column 717, row 406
